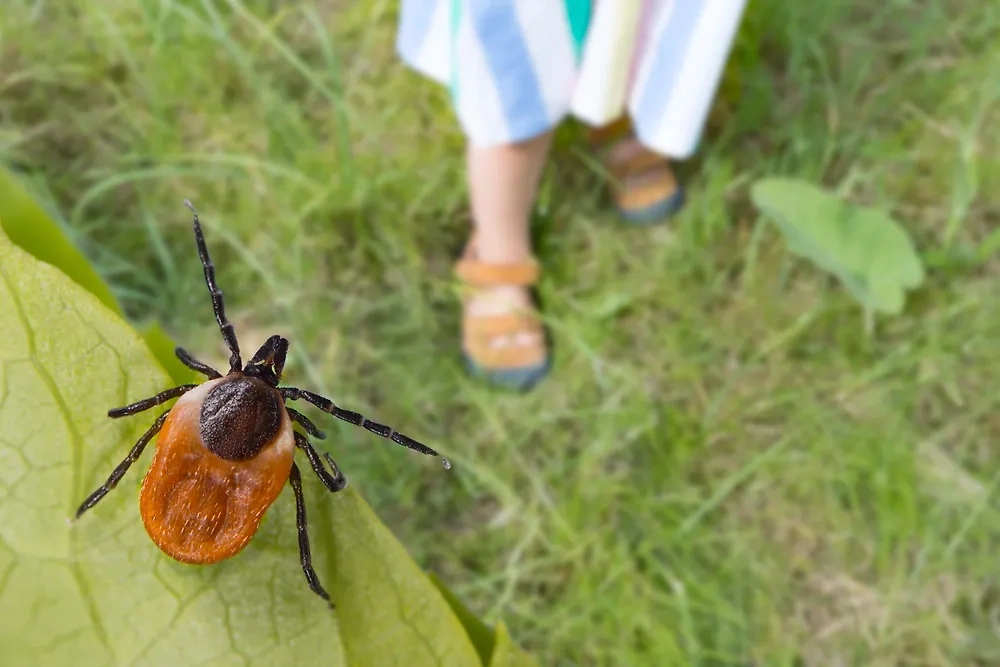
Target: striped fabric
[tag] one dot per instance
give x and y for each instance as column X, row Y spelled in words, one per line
column 516, row 68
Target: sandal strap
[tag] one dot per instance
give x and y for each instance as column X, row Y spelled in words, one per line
column 481, row 274
column 507, row 358
column 480, row 330
column 491, row 326
column 643, row 161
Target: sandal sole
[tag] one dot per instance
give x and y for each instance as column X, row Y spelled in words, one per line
column 518, row 379
column 656, row 213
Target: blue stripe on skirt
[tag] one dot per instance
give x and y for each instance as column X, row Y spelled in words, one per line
column 668, row 60
column 499, row 31
column 414, row 25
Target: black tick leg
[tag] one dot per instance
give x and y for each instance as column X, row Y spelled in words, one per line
column 336, row 481
column 356, row 418
column 196, row 365
column 152, row 402
column 295, row 479
column 310, row 428
column 123, row 467
column 218, row 305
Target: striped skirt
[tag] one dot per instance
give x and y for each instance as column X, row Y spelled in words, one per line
column 516, row 68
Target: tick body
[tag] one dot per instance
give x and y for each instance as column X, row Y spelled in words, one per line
column 224, row 454
column 226, row 449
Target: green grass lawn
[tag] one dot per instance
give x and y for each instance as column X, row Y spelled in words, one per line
column 723, row 469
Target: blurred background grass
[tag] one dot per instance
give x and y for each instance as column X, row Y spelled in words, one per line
column 723, row 468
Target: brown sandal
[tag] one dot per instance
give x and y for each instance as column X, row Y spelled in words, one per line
column 513, row 366
column 646, row 190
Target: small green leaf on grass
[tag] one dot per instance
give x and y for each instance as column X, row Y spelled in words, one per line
column 867, row 249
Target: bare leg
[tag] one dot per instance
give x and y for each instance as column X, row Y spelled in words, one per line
column 503, row 182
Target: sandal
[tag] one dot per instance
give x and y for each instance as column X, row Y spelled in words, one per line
column 646, row 191
column 512, row 366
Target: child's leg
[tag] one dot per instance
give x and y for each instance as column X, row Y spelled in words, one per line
column 503, row 182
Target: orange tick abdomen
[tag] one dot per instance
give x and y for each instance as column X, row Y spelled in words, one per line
column 199, row 507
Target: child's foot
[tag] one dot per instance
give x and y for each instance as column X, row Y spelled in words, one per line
column 645, row 190
column 502, row 337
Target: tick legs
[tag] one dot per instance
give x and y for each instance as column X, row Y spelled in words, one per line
column 123, row 467
column 310, row 428
column 326, row 405
column 151, row 402
column 218, row 305
column 295, row 479
column 336, row 481
column 196, row 365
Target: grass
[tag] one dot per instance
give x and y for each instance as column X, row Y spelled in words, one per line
column 724, row 469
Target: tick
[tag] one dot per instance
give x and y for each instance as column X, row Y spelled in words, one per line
column 226, row 449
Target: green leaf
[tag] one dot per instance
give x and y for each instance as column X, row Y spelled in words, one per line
column 480, row 635
column 506, row 653
column 98, row 592
column 390, row 612
column 28, row 226
column 496, row 648
column 868, row 250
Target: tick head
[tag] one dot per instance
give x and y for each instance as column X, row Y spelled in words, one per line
column 269, row 361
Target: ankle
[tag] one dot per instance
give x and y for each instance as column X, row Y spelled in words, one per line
column 503, row 249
